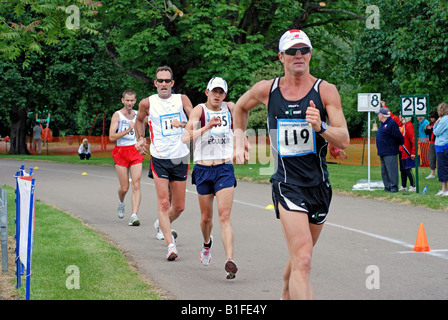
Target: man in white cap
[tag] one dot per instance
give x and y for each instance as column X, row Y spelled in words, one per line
column 210, row 126
column 299, row 107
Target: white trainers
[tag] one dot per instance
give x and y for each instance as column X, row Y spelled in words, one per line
column 430, row 176
column 411, row 188
column 134, row 221
column 402, row 188
column 159, row 231
column 160, row 235
column 206, row 255
column 120, row 210
column 441, row 193
column 172, row 252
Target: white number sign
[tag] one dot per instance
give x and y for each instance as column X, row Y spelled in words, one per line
column 369, row 102
column 414, row 105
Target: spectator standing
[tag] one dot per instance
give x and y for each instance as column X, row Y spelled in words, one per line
column 388, row 141
column 432, row 158
column 441, row 147
column 407, row 151
column 37, row 138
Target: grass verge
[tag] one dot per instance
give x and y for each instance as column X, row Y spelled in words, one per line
column 62, row 244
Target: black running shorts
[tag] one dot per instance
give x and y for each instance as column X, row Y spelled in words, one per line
column 315, row 201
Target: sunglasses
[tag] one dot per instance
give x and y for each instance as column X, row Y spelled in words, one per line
column 293, row 51
column 164, row 80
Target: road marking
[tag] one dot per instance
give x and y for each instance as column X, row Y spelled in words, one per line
column 439, row 253
column 434, row 253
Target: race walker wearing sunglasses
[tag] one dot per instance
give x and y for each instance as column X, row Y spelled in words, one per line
column 293, row 51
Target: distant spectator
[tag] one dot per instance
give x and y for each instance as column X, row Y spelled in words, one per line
column 37, row 139
column 441, row 146
column 422, row 123
column 407, row 151
column 388, row 141
column 84, row 150
column 432, row 158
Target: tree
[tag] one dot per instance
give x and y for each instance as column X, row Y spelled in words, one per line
column 197, row 38
column 407, row 54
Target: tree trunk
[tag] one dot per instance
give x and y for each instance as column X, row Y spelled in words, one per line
column 18, row 131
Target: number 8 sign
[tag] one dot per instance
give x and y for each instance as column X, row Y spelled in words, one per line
column 414, row 105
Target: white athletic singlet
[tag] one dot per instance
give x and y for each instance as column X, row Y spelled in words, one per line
column 166, row 142
column 123, row 124
column 216, row 143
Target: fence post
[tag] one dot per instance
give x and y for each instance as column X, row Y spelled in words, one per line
column 4, row 228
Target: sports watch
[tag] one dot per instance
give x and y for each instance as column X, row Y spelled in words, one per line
column 323, row 127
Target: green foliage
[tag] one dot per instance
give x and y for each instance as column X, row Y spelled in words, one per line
column 408, row 53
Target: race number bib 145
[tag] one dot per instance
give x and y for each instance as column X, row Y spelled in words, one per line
column 295, row 138
column 167, row 127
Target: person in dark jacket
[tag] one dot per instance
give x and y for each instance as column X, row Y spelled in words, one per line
column 388, row 141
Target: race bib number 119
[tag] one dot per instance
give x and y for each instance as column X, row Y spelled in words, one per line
column 295, row 138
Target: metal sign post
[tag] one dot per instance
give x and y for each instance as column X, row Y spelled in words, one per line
column 413, row 106
column 368, row 102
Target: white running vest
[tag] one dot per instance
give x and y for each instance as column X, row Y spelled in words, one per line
column 166, row 142
column 123, row 124
column 216, row 143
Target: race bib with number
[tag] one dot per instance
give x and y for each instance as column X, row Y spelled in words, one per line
column 224, row 127
column 167, row 127
column 124, row 125
column 295, row 138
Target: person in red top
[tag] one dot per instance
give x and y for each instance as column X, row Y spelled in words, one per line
column 407, row 150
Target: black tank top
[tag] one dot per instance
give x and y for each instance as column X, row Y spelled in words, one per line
column 299, row 153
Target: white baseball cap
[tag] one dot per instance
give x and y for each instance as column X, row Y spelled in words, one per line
column 217, row 82
column 292, row 37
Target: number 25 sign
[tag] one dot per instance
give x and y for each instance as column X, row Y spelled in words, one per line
column 414, row 105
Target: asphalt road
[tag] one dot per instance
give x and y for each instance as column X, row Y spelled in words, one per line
column 365, row 250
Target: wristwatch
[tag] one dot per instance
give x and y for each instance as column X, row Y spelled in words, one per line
column 323, row 127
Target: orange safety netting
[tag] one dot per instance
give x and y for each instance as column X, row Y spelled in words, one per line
column 355, row 154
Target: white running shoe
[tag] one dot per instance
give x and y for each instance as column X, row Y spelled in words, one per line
column 134, row 221
column 172, row 252
column 430, row 176
column 159, row 231
column 402, row 188
column 206, row 255
column 440, row 193
column 231, row 269
column 120, row 210
column 411, row 188
column 160, row 235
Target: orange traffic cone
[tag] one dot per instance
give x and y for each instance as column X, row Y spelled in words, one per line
column 421, row 244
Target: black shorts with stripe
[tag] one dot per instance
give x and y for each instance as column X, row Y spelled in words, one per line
column 315, row 201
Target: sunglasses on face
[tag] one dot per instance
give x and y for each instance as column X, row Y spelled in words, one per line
column 164, row 80
column 293, row 51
